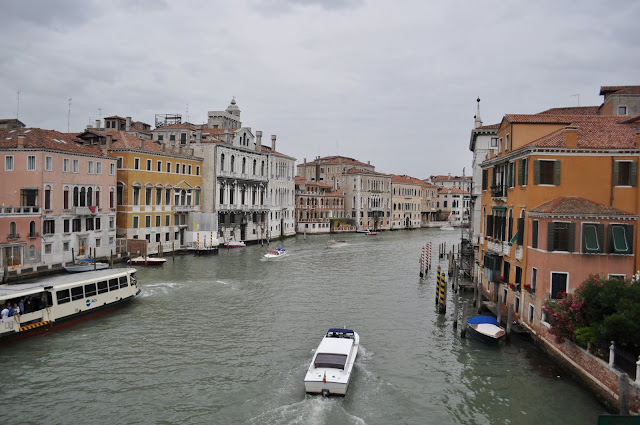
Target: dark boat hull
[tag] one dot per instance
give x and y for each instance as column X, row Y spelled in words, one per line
column 487, row 339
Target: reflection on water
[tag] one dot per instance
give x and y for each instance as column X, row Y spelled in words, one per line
column 228, row 338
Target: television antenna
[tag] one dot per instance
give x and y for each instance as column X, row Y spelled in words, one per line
column 18, row 105
column 578, row 96
column 69, row 115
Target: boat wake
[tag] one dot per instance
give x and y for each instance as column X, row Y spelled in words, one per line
column 160, row 288
column 311, row 410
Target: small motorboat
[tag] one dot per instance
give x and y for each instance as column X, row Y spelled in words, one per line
column 147, row 261
column 336, row 244
column 330, row 369
column 447, row 227
column 85, row 265
column 279, row 252
column 486, row 329
column 371, row 233
column 235, row 244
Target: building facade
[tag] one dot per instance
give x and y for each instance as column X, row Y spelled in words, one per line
column 317, row 203
column 367, row 197
column 407, row 195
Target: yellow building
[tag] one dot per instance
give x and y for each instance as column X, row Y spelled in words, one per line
column 158, row 187
column 407, row 194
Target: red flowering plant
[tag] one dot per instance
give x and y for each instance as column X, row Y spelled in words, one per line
column 512, row 285
column 500, row 279
column 527, row 286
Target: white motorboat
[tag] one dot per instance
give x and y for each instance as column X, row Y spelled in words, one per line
column 447, row 227
column 336, row 244
column 330, row 370
column 279, row 252
column 147, row 261
column 235, row 244
column 371, row 233
column 486, row 329
column 55, row 302
column 85, row 265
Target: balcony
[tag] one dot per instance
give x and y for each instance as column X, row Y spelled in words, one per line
column 183, row 208
column 495, row 246
column 82, row 211
column 519, row 252
column 13, row 237
column 34, row 235
column 19, row 210
column 499, row 192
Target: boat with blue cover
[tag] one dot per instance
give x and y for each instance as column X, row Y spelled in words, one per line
column 486, row 329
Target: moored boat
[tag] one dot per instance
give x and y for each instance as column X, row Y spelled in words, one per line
column 147, row 261
column 371, row 233
column 330, row 370
column 486, row 329
column 57, row 302
column 279, row 252
column 85, row 265
column 235, row 244
column 336, row 244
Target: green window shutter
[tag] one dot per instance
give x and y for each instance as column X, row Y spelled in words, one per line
column 633, row 174
column 534, row 234
column 536, row 171
column 489, row 225
column 556, row 173
column 620, row 239
column 550, row 226
column 616, row 170
column 572, row 237
column 520, row 239
column 590, row 241
column 485, row 175
column 521, row 172
column 609, row 239
column 630, row 234
column 493, row 176
column 600, row 234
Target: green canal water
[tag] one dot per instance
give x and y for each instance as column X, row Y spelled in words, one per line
column 227, row 339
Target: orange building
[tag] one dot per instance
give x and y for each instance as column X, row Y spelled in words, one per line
column 559, row 201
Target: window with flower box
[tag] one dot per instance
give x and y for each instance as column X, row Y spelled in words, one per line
column 559, row 284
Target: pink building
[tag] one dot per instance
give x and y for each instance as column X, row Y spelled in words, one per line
column 57, row 199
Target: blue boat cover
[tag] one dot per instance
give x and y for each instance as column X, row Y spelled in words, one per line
column 477, row 320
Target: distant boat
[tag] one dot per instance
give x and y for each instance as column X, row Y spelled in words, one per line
column 85, row 265
column 370, row 233
column 336, row 244
column 447, row 227
column 279, row 252
column 330, row 370
column 147, row 261
column 235, row 244
column 486, row 329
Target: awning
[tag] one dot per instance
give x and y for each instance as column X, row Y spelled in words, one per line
column 498, row 208
column 513, row 239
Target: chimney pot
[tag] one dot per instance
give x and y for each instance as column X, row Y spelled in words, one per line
column 97, row 123
column 258, row 141
column 273, row 142
column 571, row 136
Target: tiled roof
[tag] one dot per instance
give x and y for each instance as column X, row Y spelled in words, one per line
column 182, row 126
column 488, row 127
column 38, row 138
column 125, row 141
column 573, row 110
column 332, row 160
column 539, row 118
column 574, row 205
column 620, row 89
column 114, row 117
column 452, row 191
column 218, row 130
column 404, row 179
column 594, row 132
column 356, row 170
column 267, row 149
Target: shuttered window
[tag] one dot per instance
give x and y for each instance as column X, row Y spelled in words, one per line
column 522, row 172
column 625, row 173
column 490, row 225
column 546, row 172
column 592, row 238
column 560, row 236
column 485, row 179
column 620, row 238
column 520, row 239
column 534, row 234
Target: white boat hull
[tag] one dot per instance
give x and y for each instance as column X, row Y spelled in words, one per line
column 329, row 380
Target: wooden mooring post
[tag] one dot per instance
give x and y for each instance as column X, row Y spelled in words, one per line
column 442, row 305
column 463, row 332
column 455, row 310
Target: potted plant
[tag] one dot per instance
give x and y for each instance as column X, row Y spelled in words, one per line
column 527, row 286
column 500, row 279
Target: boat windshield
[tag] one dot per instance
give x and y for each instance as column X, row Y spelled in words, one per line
column 335, row 361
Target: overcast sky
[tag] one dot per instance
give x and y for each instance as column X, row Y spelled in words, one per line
column 394, row 83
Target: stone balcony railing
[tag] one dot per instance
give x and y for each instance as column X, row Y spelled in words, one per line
column 19, row 210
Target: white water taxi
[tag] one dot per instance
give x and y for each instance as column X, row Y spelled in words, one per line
column 147, row 261
column 59, row 301
column 235, row 244
column 279, row 252
column 332, row 364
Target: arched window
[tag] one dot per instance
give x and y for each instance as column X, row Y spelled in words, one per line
column 244, row 165
column 65, row 198
column 221, row 162
column 89, row 197
column 83, row 197
column 32, row 229
column 254, row 166
column 76, row 196
column 13, row 233
column 262, row 169
column 233, row 164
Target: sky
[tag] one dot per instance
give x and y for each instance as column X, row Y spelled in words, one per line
column 393, row 83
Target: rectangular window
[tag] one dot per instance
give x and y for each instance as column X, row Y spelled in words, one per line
column 523, row 173
column 8, row 163
column 559, row 285
column 172, row 137
column 159, row 166
column 534, row 279
column 148, row 165
column 167, row 220
column 77, row 293
column 592, row 238
column 63, row 296
column 177, row 168
column 90, row 167
column 560, row 236
column 65, row 165
column 197, row 170
column 485, row 179
column 136, row 196
column 135, row 221
column 48, row 163
column 622, row 110
column 531, row 314
column 119, row 162
column 136, row 163
column 147, row 221
column 31, row 163
column 620, row 237
column 625, row 173
column 158, row 196
column 90, row 290
column 189, row 169
column 168, row 167
column 534, row 234
column 76, row 225
column 184, row 169
column 103, row 287
column 167, row 198
column 494, row 142
column 76, row 166
column 89, row 223
column 49, row 227
column 160, row 137
column 112, row 169
column 147, row 196
column 98, row 223
column 65, row 246
column 98, row 168
column 546, row 172
column 518, row 275
column 66, row 225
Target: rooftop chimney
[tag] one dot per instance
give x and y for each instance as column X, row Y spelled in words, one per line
column 273, row 142
column 109, row 141
column 128, row 124
column 141, row 144
column 97, row 123
column 258, row 141
column 21, row 139
column 164, row 147
column 571, row 136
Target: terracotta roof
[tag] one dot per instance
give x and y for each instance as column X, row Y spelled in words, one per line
column 218, row 130
column 449, row 177
column 594, row 132
column 404, row 179
column 573, row 110
column 488, row 127
column 356, row 170
column 141, row 130
column 115, row 117
column 38, row 138
column 182, row 126
column 125, row 141
column 574, row 205
column 539, row 118
column 267, row 149
column 336, row 159
column 452, row 191
column 620, row 90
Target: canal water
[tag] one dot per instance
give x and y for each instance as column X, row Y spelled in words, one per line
column 227, row 339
